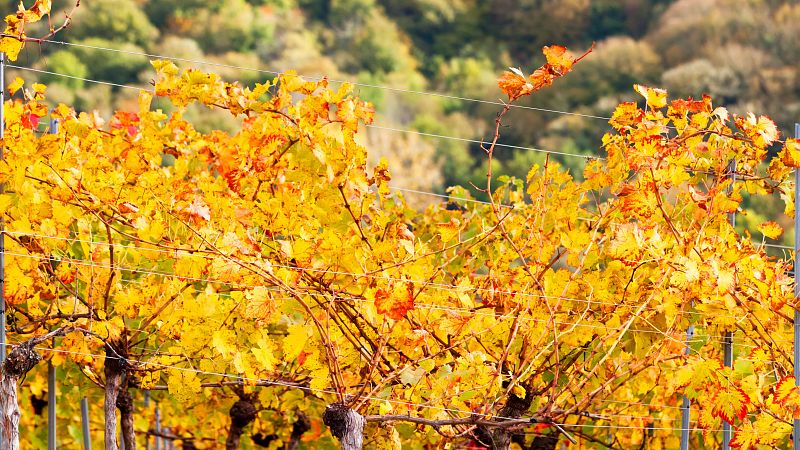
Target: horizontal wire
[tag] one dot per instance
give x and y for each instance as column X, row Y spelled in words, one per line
column 367, row 85
column 447, row 196
column 309, row 376
column 785, row 247
column 398, row 130
column 713, row 338
column 476, row 141
column 107, row 83
column 275, row 382
column 438, row 286
column 740, row 341
column 214, row 257
column 419, row 406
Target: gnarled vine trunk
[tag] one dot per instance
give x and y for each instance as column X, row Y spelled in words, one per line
column 125, row 405
column 298, row 429
column 114, row 369
column 346, row 425
column 242, row 413
column 19, row 362
column 500, row 438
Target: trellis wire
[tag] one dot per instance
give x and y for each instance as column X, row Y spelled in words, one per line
column 366, row 85
column 437, row 286
column 420, row 406
column 398, row 130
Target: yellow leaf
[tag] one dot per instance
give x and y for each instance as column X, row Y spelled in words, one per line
column 746, row 437
column 11, row 47
column 264, row 354
column 656, row 98
column 15, row 85
column 183, row 385
column 770, row 229
column 224, row 341
column 730, row 403
column 191, row 266
column 790, row 154
column 295, row 341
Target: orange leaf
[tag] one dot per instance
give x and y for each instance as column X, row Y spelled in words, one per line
column 396, row 304
column 559, row 58
column 514, row 84
column 790, row 154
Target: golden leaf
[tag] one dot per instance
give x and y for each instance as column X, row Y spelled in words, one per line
column 770, row 229
column 656, row 98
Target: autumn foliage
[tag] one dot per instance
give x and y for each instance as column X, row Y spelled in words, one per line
column 271, row 271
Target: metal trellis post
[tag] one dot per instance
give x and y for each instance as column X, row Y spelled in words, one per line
column 158, row 429
column 727, row 339
column 87, row 439
column 685, row 409
column 2, row 221
column 796, row 428
column 51, row 370
column 727, row 350
column 147, row 436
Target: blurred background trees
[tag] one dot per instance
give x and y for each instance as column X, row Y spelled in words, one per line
column 742, row 52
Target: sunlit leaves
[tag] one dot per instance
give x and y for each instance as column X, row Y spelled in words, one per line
column 275, row 253
column 12, row 43
column 515, row 84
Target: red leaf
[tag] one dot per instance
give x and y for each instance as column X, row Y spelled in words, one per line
column 30, row 121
